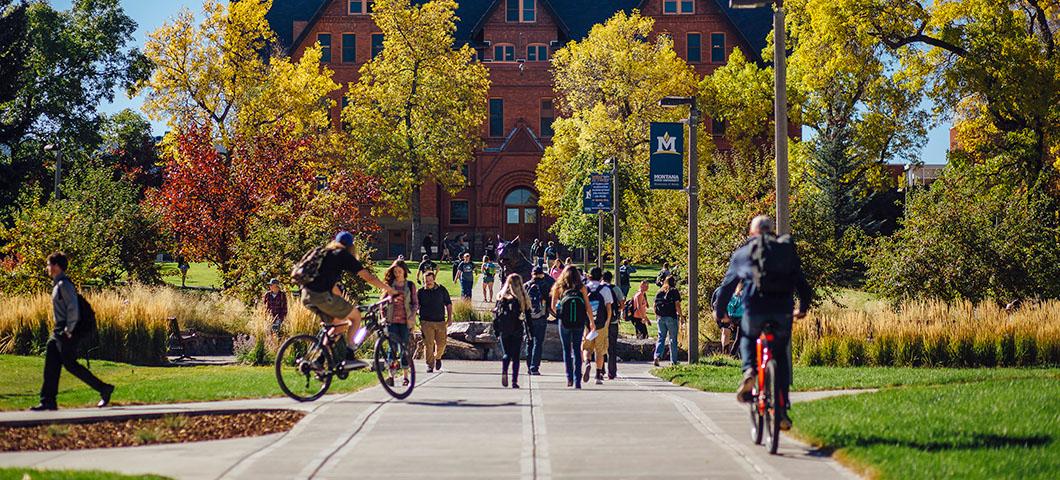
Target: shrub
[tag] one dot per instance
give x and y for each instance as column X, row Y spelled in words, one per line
column 464, row 311
column 881, row 351
column 851, row 352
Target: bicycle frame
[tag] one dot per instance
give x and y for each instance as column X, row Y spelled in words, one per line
column 763, row 355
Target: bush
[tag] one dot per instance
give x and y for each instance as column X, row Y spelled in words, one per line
column 464, row 311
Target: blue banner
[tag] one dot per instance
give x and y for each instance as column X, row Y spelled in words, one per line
column 596, row 196
column 666, row 158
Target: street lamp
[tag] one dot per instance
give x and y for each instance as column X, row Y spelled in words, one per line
column 780, row 106
column 51, row 147
column 693, row 223
column 616, row 201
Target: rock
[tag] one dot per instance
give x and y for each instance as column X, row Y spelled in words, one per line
column 469, row 330
column 632, row 349
column 457, row 350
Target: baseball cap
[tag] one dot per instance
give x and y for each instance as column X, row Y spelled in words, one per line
column 345, row 238
column 274, row 282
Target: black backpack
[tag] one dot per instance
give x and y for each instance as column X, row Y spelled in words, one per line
column 506, row 316
column 308, row 268
column 664, row 305
column 774, row 265
column 629, row 309
column 599, row 314
column 571, row 310
column 533, row 290
column 616, row 308
column 86, row 323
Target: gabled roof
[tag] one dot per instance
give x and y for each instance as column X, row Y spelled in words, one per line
column 575, row 17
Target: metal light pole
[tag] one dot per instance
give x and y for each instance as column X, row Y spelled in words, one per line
column 693, row 222
column 780, row 108
column 616, row 202
column 58, row 166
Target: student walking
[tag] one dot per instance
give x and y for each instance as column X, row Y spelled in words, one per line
column 595, row 346
column 74, row 320
column 661, row 277
column 572, row 307
column 539, row 254
column 640, row 310
column 550, row 252
column 624, row 272
column 771, row 273
column 537, row 290
column 275, row 302
column 401, row 314
column 509, row 316
column 612, row 327
column 465, row 271
column 667, row 310
column 556, row 270
column 489, row 273
column 428, row 246
column 426, row 266
column 436, row 315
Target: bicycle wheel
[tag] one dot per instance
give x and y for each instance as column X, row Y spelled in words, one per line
column 756, row 418
column 771, row 392
column 303, row 368
column 394, row 367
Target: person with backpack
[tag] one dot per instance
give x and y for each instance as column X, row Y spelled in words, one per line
column 74, row 320
column 401, row 313
column 319, row 272
column 772, row 275
column 637, row 310
column 661, row 277
column 539, row 253
column 537, row 291
column 612, row 327
column 510, row 313
column 489, row 273
column 600, row 299
column 426, row 266
column 550, row 252
column 667, row 311
column 624, row 272
column 734, row 311
column 465, row 271
column 573, row 311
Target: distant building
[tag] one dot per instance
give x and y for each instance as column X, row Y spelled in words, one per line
column 515, row 39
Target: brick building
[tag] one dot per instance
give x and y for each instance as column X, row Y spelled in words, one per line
column 515, row 39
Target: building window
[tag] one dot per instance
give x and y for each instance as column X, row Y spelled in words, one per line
column 695, row 41
column 548, row 115
column 520, row 207
column 459, row 212
column 349, row 48
column 717, row 127
column 496, row 117
column 679, row 7
column 717, row 48
column 324, row 39
column 521, row 11
column 504, row 53
column 357, row 7
column 537, row 53
column 377, row 44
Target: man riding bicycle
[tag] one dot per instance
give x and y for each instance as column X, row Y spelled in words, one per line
column 322, row 293
column 771, row 273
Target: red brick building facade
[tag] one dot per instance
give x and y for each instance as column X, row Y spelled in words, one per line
column 515, row 39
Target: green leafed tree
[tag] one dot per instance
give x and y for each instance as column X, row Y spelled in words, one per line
column 415, row 114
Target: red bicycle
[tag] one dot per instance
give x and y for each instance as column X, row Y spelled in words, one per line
column 766, row 394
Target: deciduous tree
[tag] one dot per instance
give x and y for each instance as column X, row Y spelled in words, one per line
column 416, row 112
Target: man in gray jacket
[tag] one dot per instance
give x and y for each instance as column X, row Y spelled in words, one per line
column 62, row 346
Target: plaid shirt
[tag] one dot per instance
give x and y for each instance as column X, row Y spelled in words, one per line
column 276, row 305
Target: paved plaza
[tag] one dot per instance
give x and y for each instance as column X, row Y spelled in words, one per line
column 461, row 423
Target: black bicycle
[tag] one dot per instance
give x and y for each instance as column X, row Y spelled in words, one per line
column 306, row 364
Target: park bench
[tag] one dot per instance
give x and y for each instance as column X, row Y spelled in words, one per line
column 177, row 341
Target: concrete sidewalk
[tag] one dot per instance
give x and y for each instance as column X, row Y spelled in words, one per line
column 461, row 423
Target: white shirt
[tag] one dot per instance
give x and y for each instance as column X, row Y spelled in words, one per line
column 604, row 292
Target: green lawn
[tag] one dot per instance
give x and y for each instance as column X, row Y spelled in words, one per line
column 990, row 430
column 20, row 379
column 200, row 274
column 924, row 422
column 718, row 378
column 32, row 474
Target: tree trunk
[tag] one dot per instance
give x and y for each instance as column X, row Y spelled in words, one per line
column 416, row 235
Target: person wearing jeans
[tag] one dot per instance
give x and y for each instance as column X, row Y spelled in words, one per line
column 565, row 297
column 668, row 309
column 465, row 270
column 540, row 284
column 571, row 341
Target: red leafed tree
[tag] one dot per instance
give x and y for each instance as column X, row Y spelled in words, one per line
column 208, row 199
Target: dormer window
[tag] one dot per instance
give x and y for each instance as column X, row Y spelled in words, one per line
column 537, row 53
column 357, row 7
column 524, row 11
column 504, row 53
column 679, row 7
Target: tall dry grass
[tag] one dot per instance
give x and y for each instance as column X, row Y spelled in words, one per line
column 929, row 334
column 132, row 322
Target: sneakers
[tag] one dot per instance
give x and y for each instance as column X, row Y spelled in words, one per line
column 44, row 407
column 570, row 383
column 504, row 379
column 783, row 419
column 655, row 362
column 438, row 365
column 430, row 368
column 104, row 396
column 743, row 394
column 515, row 385
column 588, row 371
column 599, row 377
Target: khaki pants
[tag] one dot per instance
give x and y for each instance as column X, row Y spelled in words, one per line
column 434, row 337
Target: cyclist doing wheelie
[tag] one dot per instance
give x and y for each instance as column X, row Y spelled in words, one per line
column 319, row 272
column 772, row 274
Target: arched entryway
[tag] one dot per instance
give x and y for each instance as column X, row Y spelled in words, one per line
column 522, row 216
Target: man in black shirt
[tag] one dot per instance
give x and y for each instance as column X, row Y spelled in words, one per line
column 428, row 244
column 425, row 266
column 436, row 314
column 323, row 295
